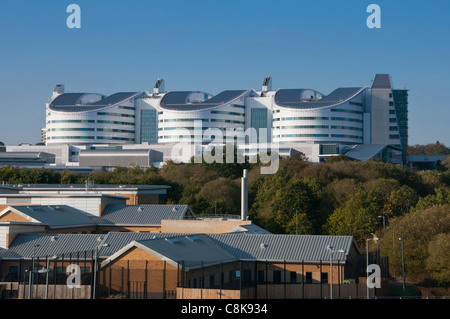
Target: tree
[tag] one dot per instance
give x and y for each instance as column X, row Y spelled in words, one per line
column 438, row 261
column 418, row 229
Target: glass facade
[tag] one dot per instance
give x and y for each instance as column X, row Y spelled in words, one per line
column 401, row 108
column 259, row 120
column 149, row 126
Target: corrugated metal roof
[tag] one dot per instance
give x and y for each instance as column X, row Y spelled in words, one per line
column 193, row 250
column 271, row 247
column 140, row 214
column 55, row 216
column 48, row 245
column 117, row 240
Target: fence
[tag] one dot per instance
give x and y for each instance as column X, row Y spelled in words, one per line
column 158, row 279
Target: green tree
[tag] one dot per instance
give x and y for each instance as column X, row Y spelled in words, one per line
column 438, row 261
column 418, row 229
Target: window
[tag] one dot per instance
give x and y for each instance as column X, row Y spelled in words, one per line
column 276, row 277
column 149, row 125
column 324, row 277
column 261, row 276
column 293, row 277
column 308, row 279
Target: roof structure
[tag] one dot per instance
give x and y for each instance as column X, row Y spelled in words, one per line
column 194, row 251
column 150, row 215
column 381, row 81
column 27, row 246
column 177, row 100
column 53, row 216
column 272, row 247
column 364, row 152
column 71, row 102
column 290, row 98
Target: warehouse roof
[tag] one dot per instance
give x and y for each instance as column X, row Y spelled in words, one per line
column 142, row 214
column 53, row 216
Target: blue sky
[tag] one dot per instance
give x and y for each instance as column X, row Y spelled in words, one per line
column 218, row 45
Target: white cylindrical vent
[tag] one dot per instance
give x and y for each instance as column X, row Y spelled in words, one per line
column 244, row 195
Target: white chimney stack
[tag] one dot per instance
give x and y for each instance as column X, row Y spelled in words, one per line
column 244, row 195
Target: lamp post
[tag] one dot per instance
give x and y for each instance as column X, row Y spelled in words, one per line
column 30, row 282
column 403, row 265
column 367, row 265
column 95, row 268
column 47, row 271
column 332, row 250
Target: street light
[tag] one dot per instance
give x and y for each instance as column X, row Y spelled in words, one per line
column 375, row 239
column 30, row 281
column 403, row 265
column 95, row 267
column 332, row 250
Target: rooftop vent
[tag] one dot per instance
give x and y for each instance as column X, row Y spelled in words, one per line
column 172, row 240
column 139, row 209
column 263, row 246
column 53, row 238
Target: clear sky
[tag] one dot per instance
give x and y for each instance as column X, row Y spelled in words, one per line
column 214, row 45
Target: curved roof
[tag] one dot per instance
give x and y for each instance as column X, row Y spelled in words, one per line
column 72, row 102
column 176, row 101
column 290, row 98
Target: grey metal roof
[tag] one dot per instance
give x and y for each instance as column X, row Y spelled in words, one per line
column 271, row 247
column 55, row 216
column 174, row 100
column 251, row 228
column 70, row 102
column 193, row 250
column 82, row 187
column 117, row 240
column 381, row 81
column 364, row 152
column 141, row 214
column 290, row 98
column 48, row 245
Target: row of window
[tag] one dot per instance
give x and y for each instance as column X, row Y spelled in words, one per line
column 89, row 138
column 89, row 121
column 227, row 113
column 318, row 119
column 82, row 129
column 319, row 135
column 346, row 111
column 115, row 114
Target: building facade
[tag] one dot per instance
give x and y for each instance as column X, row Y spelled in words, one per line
column 375, row 114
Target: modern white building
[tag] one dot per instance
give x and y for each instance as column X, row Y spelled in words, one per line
column 300, row 119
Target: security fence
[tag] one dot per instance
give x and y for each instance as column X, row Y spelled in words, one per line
column 53, row 278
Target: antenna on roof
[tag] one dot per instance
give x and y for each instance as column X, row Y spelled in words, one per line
column 159, row 86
